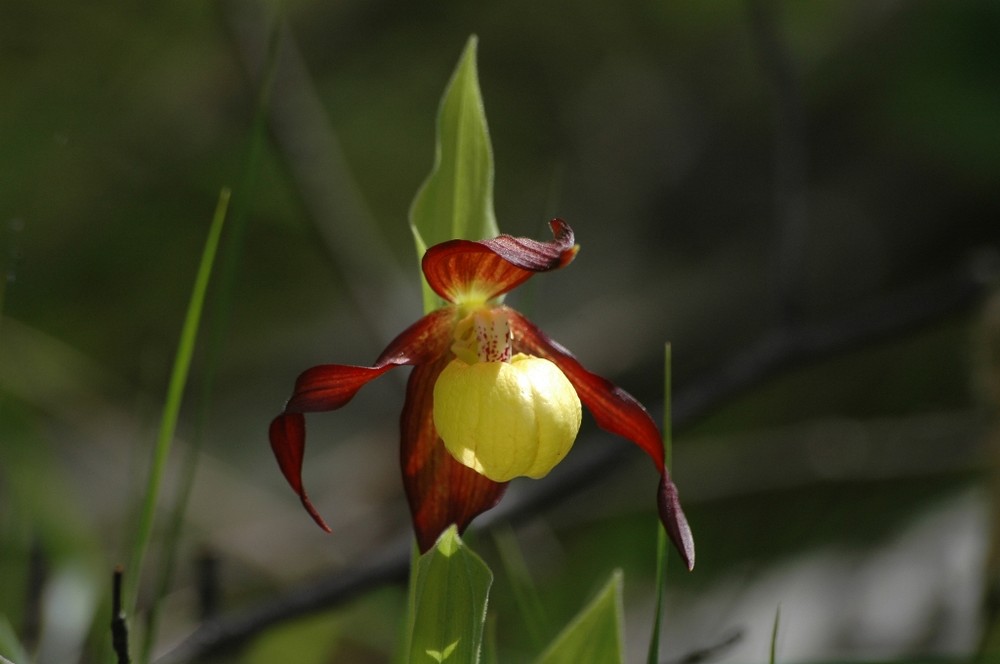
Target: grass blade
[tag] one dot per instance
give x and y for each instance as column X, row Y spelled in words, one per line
column 172, row 405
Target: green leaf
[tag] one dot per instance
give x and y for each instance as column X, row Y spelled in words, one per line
column 449, row 603
column 456, row 199
column 595, row 634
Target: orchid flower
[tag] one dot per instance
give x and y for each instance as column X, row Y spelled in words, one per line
column 490, row 396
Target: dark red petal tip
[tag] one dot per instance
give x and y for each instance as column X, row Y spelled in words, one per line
column 288, row 442
column 535, row 255
column 313, row 513
column 674, row 521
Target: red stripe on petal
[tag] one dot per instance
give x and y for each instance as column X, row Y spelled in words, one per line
column 493, row 267
column 617, row 412
column 424, row 341
column 440, row 490
column 330, row 386
column 535, row 255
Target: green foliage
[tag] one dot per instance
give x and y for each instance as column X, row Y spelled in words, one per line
column 595, row 634
column 448, row 603
column 456, row 199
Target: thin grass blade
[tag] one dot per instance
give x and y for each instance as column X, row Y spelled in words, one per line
column 172, row 405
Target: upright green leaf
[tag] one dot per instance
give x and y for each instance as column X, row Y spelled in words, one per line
column 448, row 599
column 456, row 199
column 595, row 634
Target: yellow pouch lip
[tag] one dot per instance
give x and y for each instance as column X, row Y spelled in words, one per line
column 507, row 419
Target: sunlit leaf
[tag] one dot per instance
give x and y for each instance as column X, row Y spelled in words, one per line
column 449, row 603
column 456, row 199
column 595, row 634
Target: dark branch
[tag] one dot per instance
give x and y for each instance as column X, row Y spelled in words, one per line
column 35, row 586
column 714, row 651
column 229, row 631
column 119, row 628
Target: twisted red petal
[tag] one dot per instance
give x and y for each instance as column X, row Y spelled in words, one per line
column 440, row 490
column 617, row 412
column 493, row 267
column 331, row 386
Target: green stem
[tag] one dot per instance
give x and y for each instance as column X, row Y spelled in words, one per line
column 653, row 656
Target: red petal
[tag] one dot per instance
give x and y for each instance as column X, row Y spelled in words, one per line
column 331, row 386
column 440, row 490
column 493, row 267
column 288, row 441
column 615, row 411
column 672, row 516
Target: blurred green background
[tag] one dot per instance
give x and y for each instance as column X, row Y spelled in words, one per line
column 730, row 169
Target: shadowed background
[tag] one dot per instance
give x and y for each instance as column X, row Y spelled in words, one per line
column 763, row 184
